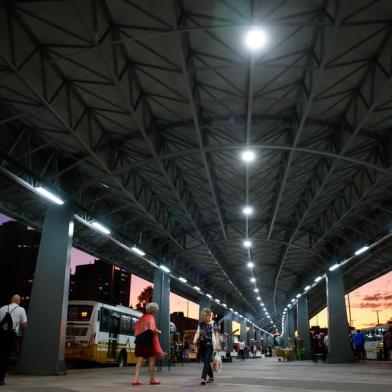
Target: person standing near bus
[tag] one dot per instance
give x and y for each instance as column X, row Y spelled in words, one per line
column 387, row 343
column 208, row 339
column 359, row 345
column 147, row 344
column 12, row 319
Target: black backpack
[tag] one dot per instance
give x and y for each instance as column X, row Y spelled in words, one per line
column 7, row 326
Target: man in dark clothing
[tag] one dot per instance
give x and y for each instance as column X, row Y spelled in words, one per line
column 387, row 343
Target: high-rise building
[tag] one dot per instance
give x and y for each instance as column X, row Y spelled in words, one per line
column 101, row 282
column 18, row 256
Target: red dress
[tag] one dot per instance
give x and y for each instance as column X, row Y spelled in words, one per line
column 147, row 342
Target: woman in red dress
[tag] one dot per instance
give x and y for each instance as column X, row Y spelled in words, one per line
column 147, row 343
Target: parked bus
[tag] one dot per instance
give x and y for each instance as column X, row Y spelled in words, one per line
column 374, row 341
column 100, row 333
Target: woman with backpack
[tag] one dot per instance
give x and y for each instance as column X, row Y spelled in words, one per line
column 207, row 339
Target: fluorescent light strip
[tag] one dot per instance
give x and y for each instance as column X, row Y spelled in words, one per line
column 49, row 195
column 138, row 251
column 164, row 268
column 100, row 227
column 181, row 279
column 361, row 250
column 334, row 267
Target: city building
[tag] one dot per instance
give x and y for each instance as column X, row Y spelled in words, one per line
column 101, row 282
column 18, row 255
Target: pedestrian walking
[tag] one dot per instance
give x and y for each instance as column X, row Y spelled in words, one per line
column 208, row 340
column 147, row 344
column 12, row 320
column 241, row 346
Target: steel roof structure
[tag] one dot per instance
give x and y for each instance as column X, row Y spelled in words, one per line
column 138, row 112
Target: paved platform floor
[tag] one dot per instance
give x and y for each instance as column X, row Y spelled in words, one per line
column 253, row 375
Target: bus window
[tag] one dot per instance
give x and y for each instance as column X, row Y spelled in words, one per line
column 79, row 312
column 126, row 325
column 104, row 324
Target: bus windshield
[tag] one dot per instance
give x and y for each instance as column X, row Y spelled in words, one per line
column 79, row 312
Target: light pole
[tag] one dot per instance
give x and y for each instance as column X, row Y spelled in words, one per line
column 378, row 317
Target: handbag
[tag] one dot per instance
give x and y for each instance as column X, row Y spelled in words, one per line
column 217, row 363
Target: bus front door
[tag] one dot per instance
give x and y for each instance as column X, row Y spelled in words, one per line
column 114, row 327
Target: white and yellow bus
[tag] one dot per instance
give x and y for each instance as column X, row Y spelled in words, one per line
column 100, row 333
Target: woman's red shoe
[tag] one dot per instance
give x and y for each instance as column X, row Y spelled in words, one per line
column 155, row 382
column 137, row 383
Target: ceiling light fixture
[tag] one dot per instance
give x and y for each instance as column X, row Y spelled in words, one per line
column 138, row 251
column 181, row 279
column 249, row 264
column 247, row 210
column 248, row 156
column 98, row 226
column 334, row 267
column 49, row 195
column 164, row 268
column 255, row 38
column 361, row 250
column 247, row 243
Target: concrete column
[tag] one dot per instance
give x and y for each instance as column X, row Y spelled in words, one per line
column 290, row 325
column 339, row 347
column 303, row 324
column 228, row 330
column 44, row 340
column 161, row 296
column 204, row 303
column 243, row 334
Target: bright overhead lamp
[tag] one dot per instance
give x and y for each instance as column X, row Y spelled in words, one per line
column 247, row 243
column 258, row 298
column 318, row 279
column 298, row 295
column 247, row 210
column 255, row 38
column 224, row 305
column 181, row 279
column 231, row 309
column 334, row 267
column 248, row 156
column 293, row 300
column 235, row 312
column 164, row 268
column 217, row 300
column 49, row 195
column 138, row 251
column 99, row 227
column 307, row 288
column 262, row 303
column 196, row 288
column 250, row 264
column 361, row 250
column 209, row 296
column 253, row 279
column 256, row 290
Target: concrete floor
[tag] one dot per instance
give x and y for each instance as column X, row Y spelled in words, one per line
column 253, row 375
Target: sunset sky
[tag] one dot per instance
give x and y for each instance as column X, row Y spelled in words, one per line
column 375, row 295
